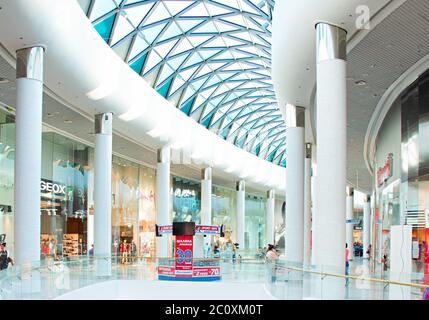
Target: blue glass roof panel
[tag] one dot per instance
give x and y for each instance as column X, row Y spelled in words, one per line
column 211, row 58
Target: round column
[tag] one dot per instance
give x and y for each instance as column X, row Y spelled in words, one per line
column 28, row 153
column 270, row 216
column 163, row 199
column 331, row 123
column 201, row 243
column 349, row 218
column 294, row 246
column 307, row 206
column 366, row 225
column 241, row 185
column 103, row 192
column 331, row 144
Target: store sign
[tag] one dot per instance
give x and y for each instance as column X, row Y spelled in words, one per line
column 385, row 172
column 52, row 187
column 184, row 256
column 185, row 193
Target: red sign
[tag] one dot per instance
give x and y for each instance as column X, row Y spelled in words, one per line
column 207, row 229
column 184, row 256
column 206, row 272
column 166, row 270
column 385, row 172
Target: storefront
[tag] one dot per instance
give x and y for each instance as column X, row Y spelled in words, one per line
column 402, row 172
column 66, row 191
column 67, row 204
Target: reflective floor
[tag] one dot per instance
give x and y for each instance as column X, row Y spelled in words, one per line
column 279, row 281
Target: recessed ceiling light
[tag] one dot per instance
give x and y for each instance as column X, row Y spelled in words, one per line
column 68, row 121
column 50, row 114
column 360, row 83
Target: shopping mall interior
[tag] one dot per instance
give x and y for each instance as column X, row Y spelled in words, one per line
column 261, row 149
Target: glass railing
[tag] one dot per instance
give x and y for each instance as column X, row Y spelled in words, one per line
column 287, row 280
column 49, row 279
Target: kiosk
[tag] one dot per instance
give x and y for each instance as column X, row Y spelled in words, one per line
column 183, row 267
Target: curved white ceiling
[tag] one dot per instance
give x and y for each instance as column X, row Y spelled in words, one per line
column 82, row 69
column 294, row 41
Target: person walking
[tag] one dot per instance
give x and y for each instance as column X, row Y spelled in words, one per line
column 271, row 258
column 4, row 257
column 347, row 264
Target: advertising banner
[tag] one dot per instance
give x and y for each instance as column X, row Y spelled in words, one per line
column 166, row 271
column 207, row 272
column 164, row 229
column 184, row 256
column 208, row 230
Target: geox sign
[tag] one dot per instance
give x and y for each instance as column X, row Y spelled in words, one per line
column 49, row 186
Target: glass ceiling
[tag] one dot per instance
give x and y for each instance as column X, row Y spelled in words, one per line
column 210, row 58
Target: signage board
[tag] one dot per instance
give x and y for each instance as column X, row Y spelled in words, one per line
column 164, row 229
column 166, row 271
column 209, row 230
column 184, row 256
column 385, row 172
column 49, row 186
column 206, row 272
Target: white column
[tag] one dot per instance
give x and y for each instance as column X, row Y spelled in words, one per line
column 163, row 199
column 307, row 206
column 201, row 243
column 270, row 216
column 294, row 238
column 103, row 191
column 331, row 144
column 240, row 213
column 314, row 232
column 349, row 217
column 331, row 126
column 28, row 154
column 366, row 225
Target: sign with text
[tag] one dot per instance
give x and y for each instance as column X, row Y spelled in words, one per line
column 209, row 230
column 199, row 229
column 163, row 229
column 166, row 271
column 49, row 186
column 207, row 272
column 385, row 172
column 184, row 256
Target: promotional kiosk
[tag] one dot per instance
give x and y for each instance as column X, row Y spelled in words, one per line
column 183, row 267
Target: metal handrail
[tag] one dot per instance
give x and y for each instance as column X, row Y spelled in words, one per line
column 387, row 282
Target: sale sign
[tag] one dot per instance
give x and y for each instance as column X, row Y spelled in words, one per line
column 166, row 271
column 207, row 272
column 184, row 256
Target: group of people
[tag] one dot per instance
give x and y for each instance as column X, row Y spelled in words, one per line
column 128, row 251
column 5, row 258
column 49, row 248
